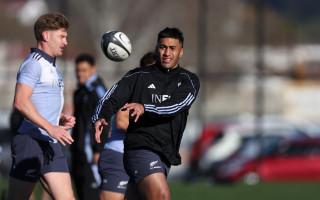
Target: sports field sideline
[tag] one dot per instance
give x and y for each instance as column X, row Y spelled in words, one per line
column 203, row 191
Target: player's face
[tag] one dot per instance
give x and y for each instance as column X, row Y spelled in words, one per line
column 84, row 71
column 56, row 40
column 170, row 51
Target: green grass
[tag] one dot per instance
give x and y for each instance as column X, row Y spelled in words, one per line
column 4, row 187
column 202, row 191
column 239, row 191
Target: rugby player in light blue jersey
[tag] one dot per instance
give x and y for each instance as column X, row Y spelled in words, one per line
column 36, row 153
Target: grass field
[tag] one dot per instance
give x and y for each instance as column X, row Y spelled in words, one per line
column 274, row 191
column 202, row 191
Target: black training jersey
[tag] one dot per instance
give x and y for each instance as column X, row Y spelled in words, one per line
column 166, row 95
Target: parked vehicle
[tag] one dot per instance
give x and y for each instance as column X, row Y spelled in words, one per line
column 219, row 140
column 278, row 159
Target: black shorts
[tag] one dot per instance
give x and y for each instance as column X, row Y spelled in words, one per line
column 113, row 176
column 142, row 163
column 32, row 158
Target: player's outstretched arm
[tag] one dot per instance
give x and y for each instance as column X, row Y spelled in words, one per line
column 98, row 126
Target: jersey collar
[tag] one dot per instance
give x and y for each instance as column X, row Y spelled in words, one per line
column 167, row 71
column 49, row 58
column 89, row 82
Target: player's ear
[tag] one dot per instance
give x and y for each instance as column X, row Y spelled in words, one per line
column 181, row 53
column 45, row 36
column 157, row 52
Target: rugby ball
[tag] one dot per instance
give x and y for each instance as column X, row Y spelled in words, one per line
column 116, row 45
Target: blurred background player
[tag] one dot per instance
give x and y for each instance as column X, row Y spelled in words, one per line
column 85, row 151
column 35, row 151
column 149, row 58
column 114, row 177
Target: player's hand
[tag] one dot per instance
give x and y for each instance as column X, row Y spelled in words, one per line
column 60, row 133
column 98, row 126
column 137, row 108
column 67, row 121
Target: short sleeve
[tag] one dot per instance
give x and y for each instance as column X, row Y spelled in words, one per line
column 29, row 73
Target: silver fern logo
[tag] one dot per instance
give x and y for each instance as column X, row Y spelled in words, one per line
column 152, row 165
column 122, row 184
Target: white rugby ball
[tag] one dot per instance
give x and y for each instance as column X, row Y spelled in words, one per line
column 116, row 45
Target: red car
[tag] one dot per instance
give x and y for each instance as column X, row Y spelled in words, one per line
column 280, row 160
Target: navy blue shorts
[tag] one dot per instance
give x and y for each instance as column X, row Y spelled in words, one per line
column 142, row 163
column 32, row 158
column 113, row 176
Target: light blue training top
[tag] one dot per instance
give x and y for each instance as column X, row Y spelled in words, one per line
column 115, row 142
column 40, row 72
